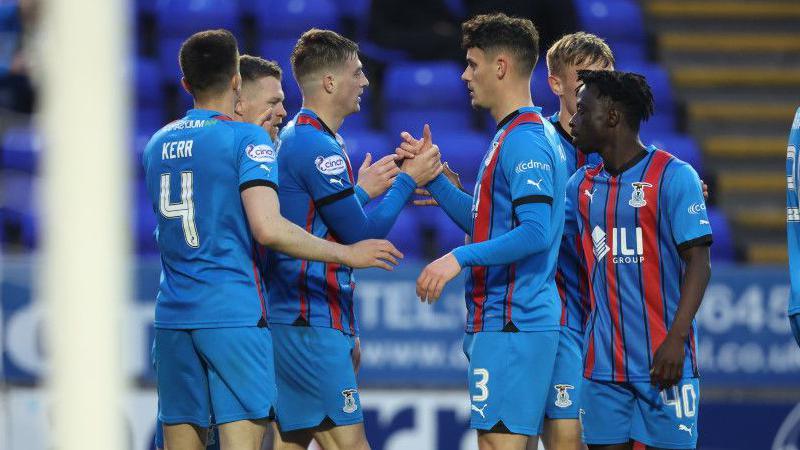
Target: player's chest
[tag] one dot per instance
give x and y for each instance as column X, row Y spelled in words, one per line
column 617, row 202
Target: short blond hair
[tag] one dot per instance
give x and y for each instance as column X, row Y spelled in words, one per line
column 577, row 49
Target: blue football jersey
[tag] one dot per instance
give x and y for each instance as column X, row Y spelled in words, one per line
column 571, row 276
column 632, row 226
column 315, row 171
column 195, row 169
column 525, row 162
column 793, row 213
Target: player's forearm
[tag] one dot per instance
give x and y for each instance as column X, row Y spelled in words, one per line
column 698, row 272
column 528, row 238
column 288, row 238
column 456, row 203
column 349, row 223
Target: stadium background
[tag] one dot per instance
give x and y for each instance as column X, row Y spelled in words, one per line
column 726, row 79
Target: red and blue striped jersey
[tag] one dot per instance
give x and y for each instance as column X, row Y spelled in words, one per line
column 314, row 171
column 793, row 213
column 571, row 277
column 195, row 169
column 632, row 226
column 525, row 162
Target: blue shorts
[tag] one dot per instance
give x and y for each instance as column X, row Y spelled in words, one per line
column 509, row 378
column 565, row 387
column 794, row 321
column 315, row 377
column 224, row 372
column 613, row 413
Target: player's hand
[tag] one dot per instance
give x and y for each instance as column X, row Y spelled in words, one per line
column 705, row 189
column 376, row 178
column 425, row 167
column 264, row 120
column 435, row 276
column 355, row 354
column 411, row 146
column 668, row 361
column 372, row 253
column 429, row 200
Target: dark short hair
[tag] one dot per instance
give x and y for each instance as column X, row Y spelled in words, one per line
column 492, row 32
column 253, row 68
column 628, row 91
column 320, row 49
column 578, row 49
column 209, row 59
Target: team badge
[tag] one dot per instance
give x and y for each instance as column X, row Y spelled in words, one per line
column 637, row 196
column 562, row 398
column 350, row 405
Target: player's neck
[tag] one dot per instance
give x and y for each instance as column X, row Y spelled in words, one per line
column 224, row 104
column 621, row 150
column 564, row 116
column 332, row 118
column 511, row 100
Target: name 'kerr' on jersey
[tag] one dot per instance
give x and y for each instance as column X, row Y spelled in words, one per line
column 315, row 171
column 195, row 169
column 571, row 277
column 525, row 162
column 632, row 226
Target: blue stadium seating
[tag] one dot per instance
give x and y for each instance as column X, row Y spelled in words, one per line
column 439, row 120
column 20, row 149
column 659, row 82
column 448, row 234
column 279, row 51
column 149, row 119
column 540, row 90
column 683, row 147
column 181, row 18
column 425, row 85
column 614, row 20
column 359, row 143
column 406, row 234
column 723, row 249
column 463, row 152
column 144, row 220
column 147, row 87
column 289, row 18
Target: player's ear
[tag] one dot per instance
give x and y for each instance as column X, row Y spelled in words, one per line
column 555, row 85
column 329, row 83
column 501, row 64
column 185, row 86
column 613, row 116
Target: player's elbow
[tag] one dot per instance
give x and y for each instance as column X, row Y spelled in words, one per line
column 265, row 235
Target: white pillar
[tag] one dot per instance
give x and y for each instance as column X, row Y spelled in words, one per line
column 85, row 212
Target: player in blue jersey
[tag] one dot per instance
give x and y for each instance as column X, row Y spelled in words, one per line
column 514, row 220
column 793, row 224
column 562, row 431
column 212, row 182
column 311, row 303
column 645, row 238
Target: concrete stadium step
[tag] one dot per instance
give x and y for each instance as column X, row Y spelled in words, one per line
column 723, row 9
column 747, row 182
column 743, row 147
column 729, row 42
column 772, row 220
column 736, row 76
column 767, row 253
column 736, row 111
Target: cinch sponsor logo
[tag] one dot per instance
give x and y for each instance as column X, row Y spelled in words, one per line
column 620, row 250
column 523, row 166
column 332, row 165
column 696, row 208
column 261, row 153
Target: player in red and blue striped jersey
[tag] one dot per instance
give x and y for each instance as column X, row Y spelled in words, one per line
column 793, row 223
column 514, row 220
column 314, row 323
column 645, row 237
column 562, row 431
column 212, row 185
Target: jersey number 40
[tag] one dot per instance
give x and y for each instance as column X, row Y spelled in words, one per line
column 183, row 210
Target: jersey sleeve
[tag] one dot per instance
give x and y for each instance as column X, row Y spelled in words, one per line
column 571, row 204
column 258, row 159
column 686, row 208
column 324, row 171
column 527, row 163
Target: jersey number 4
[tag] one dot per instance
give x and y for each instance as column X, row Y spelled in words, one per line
column 183, row 210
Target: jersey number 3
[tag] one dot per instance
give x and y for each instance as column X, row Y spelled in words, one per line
column 183, row 210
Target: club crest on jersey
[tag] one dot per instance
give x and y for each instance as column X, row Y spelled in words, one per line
column 562, row 396
column 261, row 153
column 350, row 405
column 637, row 196
column 331, row 165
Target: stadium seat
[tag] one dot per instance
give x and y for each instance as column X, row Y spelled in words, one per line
column 723, row 249
column 683, row 147
column 659, row 82
column 21, row 149
column 168, row 63
column 412, row 120
column 289, row 18
column 359, row 143
column 425, row 85
column 614, row 20
column 181, row 18
column 149, row 119
column 406, row 235
column 279, row 51
column 448, row 234
column 357, row 10
column 145, row 220
column 657, row 126
column 147, row 79
column 540, row 90
column 463, row 152
column 628, row 53
column 20, row 204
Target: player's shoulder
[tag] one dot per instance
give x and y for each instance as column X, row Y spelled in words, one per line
column 306, row 138
column 674, row 167
column 583, row 172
